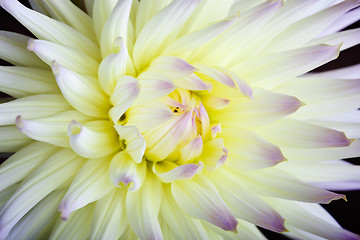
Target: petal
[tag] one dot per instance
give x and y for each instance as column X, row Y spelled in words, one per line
column 13, row 50
column 49, row 29
column 115, row 66
column 249, row 151
column 214, row 154
column 23, row 162
column 82, row 92
column 12, row 140
column 245, row 204
column 23, row 81
column 115, row 26
column 133, row 142
column 109, row 218
column 142, row 208
column 348, row 39
column 90, row 184
column 169, row 171
column 298, row 216
column 157, row 30
column 101, row 12
column 277, row 183
column 265, row 107
column 183, row 226
column 77, row 227
column 124, row 172
column 296, row 133
column 351, row 72
column 70, row 58
column 193, row 82
column 126, row 91
column 269, row 70
column 56, row 170
column 37, row 106
column 200, row 199
column 174, row 67
column 93, row 139
column 191, row 150
column 39, row 220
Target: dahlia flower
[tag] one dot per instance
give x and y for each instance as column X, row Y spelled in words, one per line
column 183, row 119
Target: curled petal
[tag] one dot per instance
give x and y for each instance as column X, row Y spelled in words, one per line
column 191, row 150
column 214, row 154
column 126, row 91
column 214, row 102
column 93, row 139
column 193, row 82
column 82, row 92
column 124, row 172
column 133, row 142
column 174, row 67
column 200, row 199
column 90, row 184
column 169, row 171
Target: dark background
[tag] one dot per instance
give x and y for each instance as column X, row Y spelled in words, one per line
column 346, row 213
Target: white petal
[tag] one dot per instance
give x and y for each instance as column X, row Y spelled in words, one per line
column 142, row 208
column 134, row 143
column 277, row 183
column 93, row 139
column 245, row 204
column 115, row 26
column 82, row 92
column 101, row 12
column 348, row 39
column 249, row 151
column 179, row 222
column 124, row 172
column 51, row 174
column 174, row 67
column 191, row 150
column 38, row 222
column 70, row 58
column 351, row 72
column 264, row 108
column 157, row 30
column 23, row 162
column 193, row 82
column 13, row 50
column 169, row 171
column 296, row 133
column 90, row 184
column 115, row 66
column 37, row 106
column 77, row 227
column 49, row 29
column 11, row 139
column 270, row 70
column 22, row 81
column 200, row 199
column 109, row 218
column 126, row 91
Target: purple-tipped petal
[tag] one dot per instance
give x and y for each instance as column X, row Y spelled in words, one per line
column 170, row 172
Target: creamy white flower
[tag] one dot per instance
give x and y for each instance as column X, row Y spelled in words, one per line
column 183, row 119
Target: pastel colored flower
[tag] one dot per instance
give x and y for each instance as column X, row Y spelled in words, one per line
column 181, row 119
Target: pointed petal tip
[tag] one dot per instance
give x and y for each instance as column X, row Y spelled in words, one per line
column 31, row 44
column 74, row 128
column 19, row 123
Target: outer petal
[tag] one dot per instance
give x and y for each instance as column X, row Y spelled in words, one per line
column 94, row 139
column 13, row 50
column 167, row 21
column 90, row 184
column 248, row 151
column 77, row 227
column 109, row 218
column 82, row 92
column 49, row 29
column 142, row 208
column 200, row 199
column 12, row 140
column 51, row 174
column 70, row 58
column 37, row 106
column 23, row 81
column 23, row 162
column 124, row 172
column 183, row 226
